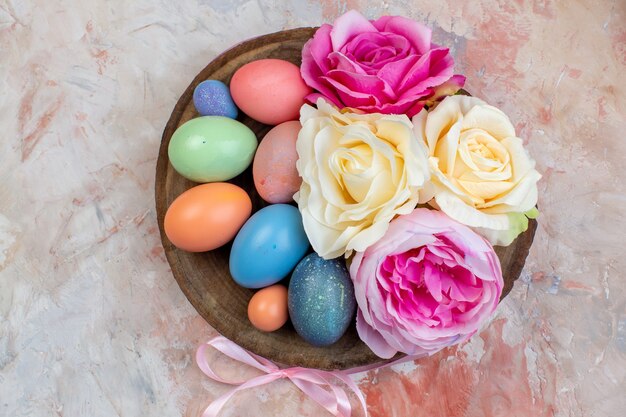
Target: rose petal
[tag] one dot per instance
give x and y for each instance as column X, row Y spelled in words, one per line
column 347, row 26
column 394, row 72
column 432, row 68
column 317, row 49
column 490, row 119
column 345, row 64
column 350, row 94
column 448, row 88
column 373, row 338
column 418, row 34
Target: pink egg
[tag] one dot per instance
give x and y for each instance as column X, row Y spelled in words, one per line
column 274, row 168
column 269, row 90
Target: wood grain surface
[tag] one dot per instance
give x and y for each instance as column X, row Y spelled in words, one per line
column 204, row 277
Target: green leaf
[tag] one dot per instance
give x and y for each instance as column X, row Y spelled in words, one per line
column 533, row 213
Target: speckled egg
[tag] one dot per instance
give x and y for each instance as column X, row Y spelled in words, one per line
column 274, row 169
column 269, row 90
column 212, row 98
column 321, row 299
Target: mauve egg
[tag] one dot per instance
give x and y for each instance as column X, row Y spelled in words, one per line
column 269, row 90
column 207, row 216
column 321, row 299
column 274, row 169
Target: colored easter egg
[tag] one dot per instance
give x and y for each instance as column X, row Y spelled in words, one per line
column 267, row 310
column 211, row 148
column 207, row 216
column 268, row 246
column 274, row 168
column 321, row 299
column 269, row 90
column 212, row 98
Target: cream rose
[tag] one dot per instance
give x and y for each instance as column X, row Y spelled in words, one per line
column 482, row 174
column 358, row 172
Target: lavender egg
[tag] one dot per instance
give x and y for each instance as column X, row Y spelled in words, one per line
column 321, row 299
column 212, row 98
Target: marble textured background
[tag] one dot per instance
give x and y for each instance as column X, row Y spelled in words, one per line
column 92, row 322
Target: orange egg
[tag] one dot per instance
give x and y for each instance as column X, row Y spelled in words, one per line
column 267, row 309
column 207, row 216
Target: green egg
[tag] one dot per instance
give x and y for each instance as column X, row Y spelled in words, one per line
column 212, row 148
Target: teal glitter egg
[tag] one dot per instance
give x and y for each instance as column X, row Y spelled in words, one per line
column 321, row 299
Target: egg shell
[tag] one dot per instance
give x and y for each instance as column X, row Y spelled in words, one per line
column 321, row 299
column 207, row 216
column 212, row 98
column 269, row 90
column 274, row 168
column 267, row 310
column 211, row 148
column 268, row 246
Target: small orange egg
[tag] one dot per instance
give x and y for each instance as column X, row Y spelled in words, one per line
column 267, row 309
column 207, row 216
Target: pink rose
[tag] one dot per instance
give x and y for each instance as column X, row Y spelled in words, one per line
column 429, row 283
column 386, row 66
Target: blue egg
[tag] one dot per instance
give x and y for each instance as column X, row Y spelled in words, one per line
column 212, row 98
column 268, row 246
column 321, row 299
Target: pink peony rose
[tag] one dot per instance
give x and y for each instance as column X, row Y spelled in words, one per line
column 429, row 283
column 386, row 66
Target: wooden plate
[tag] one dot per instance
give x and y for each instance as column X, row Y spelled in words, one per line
column 204, row 277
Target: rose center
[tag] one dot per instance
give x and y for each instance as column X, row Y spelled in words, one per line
column 379, row 54
column 352, row 170
column 482, row 152
column 374, row 50
column 427, row 284
column 364, row 175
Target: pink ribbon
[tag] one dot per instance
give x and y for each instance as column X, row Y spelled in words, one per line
column 310, row 381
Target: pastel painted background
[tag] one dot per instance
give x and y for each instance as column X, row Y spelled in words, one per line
column 93, row 324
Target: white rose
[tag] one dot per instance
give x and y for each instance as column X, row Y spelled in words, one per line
column 358, row 172
column 482, row 174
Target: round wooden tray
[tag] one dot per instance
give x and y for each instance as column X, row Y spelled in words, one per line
column 205, row 278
